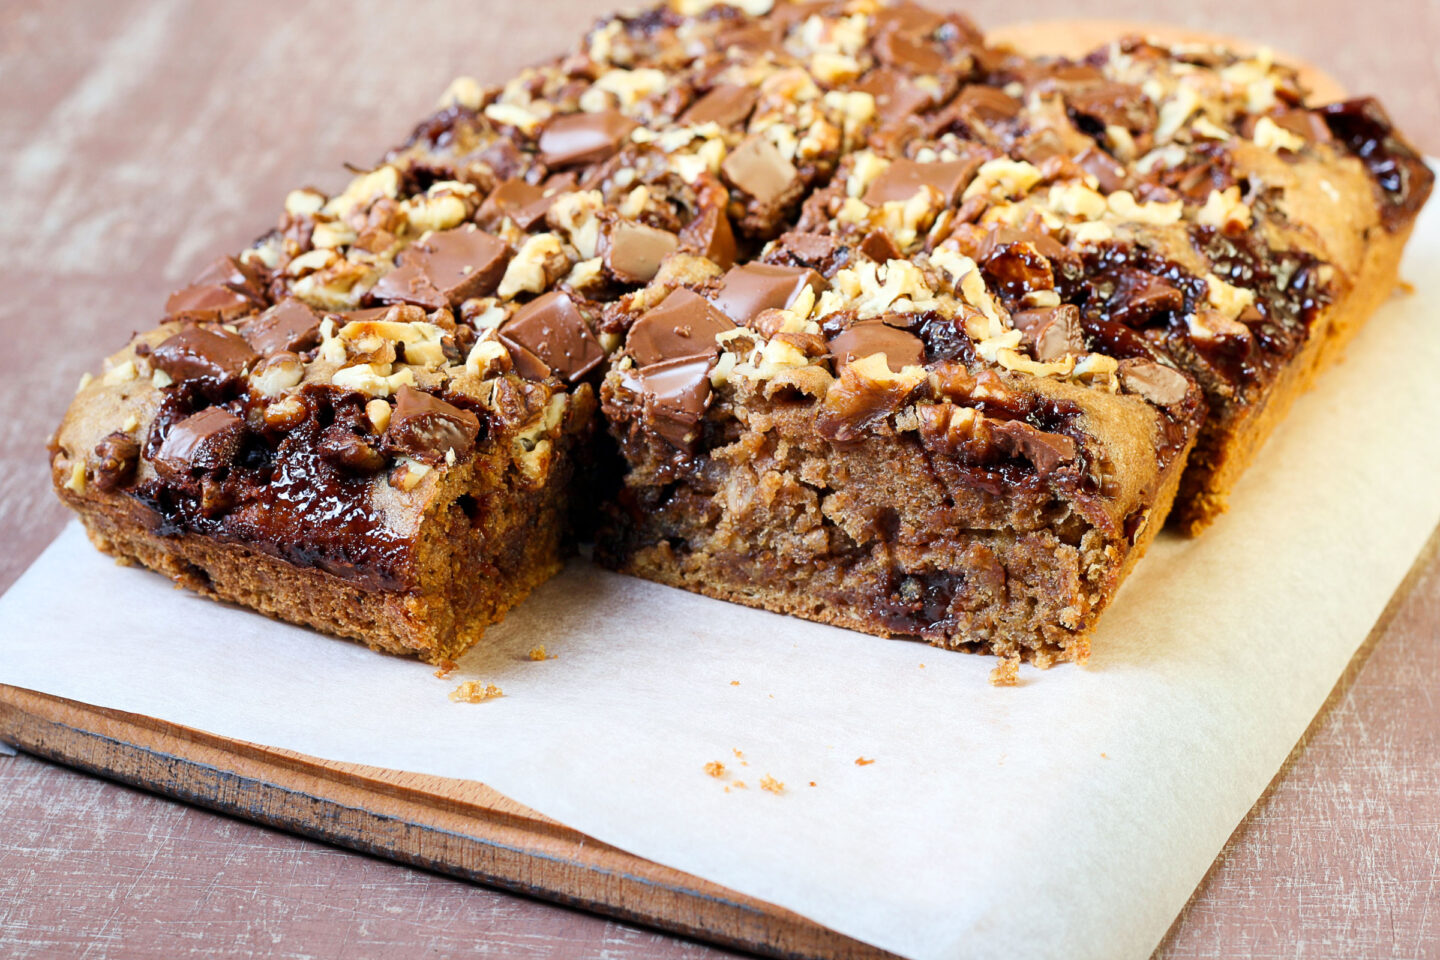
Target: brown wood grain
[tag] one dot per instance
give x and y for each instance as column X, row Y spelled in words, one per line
column 458, row 827
column 137, row 139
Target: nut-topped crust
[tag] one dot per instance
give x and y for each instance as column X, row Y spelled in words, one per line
column 918, row 331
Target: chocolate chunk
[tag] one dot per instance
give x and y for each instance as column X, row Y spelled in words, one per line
column 683, row 325
column 633, row 251
column 426, row 428
column 908, row 17
column 979, row 103
column 909, row 52
column 197, row 353
column 114, row 461
column 230, row 272
column 1154, row 381
column 1114, row 105
column 288, row 327
column 676, row 394
column 900, row 180
column 361, row 316
column 1306, row 124
column 901, row 348
column 747, row 290
column 573, row 139
column 224, row 290
column 817, row 250
column 518, row 199
column 1045, row 451
column 895, row 94
column 729, row 105
column 207, row 302
column 759, row 168
column 552, row 329
column 1104, row 168
column 345, row 448
column 1055, row 331
column 878, row 246
column 206, row 441
column 527, row 364
column 446, row 269
column 711, row 235
column 755, row 38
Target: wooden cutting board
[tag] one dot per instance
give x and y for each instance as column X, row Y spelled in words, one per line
column 457, row 827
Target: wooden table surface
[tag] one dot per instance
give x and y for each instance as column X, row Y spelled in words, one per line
column 138, row 139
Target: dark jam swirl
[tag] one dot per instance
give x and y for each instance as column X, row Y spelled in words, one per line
column 1287, row 285
column 282, row 496
column 1399, row 172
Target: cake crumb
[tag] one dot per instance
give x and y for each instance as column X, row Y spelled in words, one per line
column 715, row 768
column 538, row 653
column 1405, row 287
column 472, row 691
column 812, row 783
column 864, row 761
column 1006, row 673
column 768, row 782
column 739, row 754
column 734, row 683
column 922, row 666
column 447, row 667
column 737, row 784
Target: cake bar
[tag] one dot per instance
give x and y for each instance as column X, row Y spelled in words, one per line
column 829, row 308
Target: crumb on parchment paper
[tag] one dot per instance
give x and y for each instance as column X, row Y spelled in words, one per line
column 1006, row 673
column 864, row 761
column 768, row 782
column 473, row 691
column 446, row 668
column 715, row 768
column 538, row 653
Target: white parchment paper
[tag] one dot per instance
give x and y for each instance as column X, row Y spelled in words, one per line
column 1070, row 817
